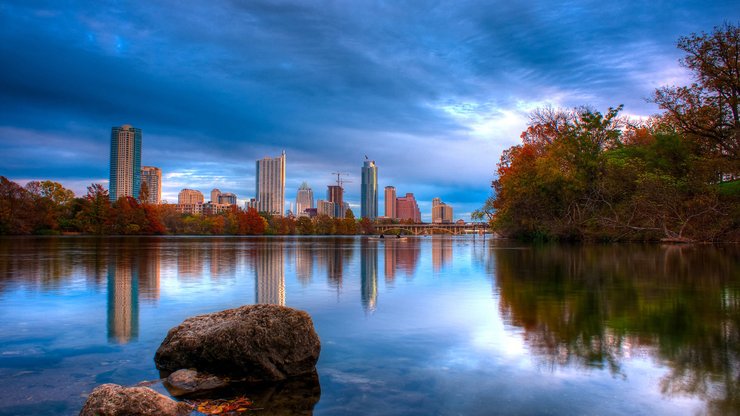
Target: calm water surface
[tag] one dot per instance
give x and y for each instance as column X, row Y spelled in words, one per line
column 427, row 326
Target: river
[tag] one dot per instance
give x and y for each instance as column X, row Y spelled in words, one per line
column 456, row 325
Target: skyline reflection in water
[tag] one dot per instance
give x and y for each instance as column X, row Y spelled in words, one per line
column 556, row 329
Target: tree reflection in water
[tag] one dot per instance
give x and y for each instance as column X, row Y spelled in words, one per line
column 597, row 306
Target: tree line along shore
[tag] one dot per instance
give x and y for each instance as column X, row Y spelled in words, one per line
column 580, row 174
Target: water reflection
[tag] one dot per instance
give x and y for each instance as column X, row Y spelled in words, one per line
column 304, row 259
column 369, row 275
column 441, row 253
column 123, row 299
column 401, row 256
column 658, row 327
column 597, row 307
column 269, row 270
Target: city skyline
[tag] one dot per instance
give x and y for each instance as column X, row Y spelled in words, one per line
column 434, row 94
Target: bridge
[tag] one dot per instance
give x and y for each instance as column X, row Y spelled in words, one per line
column 423, row 229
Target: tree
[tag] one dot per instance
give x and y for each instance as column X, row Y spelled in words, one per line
column 128, row 217
column 95, row 216
column 367, row 226
column 324, row 225
column 709, row 109
column 251, row 222
column 348, row 224
column 304, row 226
column 15, row 208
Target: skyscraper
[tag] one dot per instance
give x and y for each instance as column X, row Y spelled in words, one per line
column 303, row 200
column 390, row 202
column 335, row 195
column 369, row 190
column 407, row 208
column 125, row 162
column 152, row 177
column 270, row 185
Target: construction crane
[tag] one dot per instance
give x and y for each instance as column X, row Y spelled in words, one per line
column 340, row 181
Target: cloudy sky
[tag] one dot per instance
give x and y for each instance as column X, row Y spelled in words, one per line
column 432, row 91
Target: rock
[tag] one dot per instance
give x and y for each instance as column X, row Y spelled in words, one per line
column 253, row 343
column 188, row 382
column 115, row 400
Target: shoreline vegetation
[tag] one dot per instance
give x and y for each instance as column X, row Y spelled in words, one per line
column 47, row 208
column 583, row 175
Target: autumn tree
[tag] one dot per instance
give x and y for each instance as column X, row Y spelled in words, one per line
column 95, row 215
column 708, row 110
column 304, row 226
column 15, row 208
column 251, row 222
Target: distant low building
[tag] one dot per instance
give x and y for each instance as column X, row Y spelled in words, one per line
column 192, row 209
column 325, row 208
column 227, row 198
column 190, row 196
column 310, row 212
column 441, row 212
column 211, row 209
column 252, row 203
column 151, row 177
column 407, row 208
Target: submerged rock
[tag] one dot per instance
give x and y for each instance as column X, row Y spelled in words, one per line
column 115, row 400
column 253, row 343
column 187, row 382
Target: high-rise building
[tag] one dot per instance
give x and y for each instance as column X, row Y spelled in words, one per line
column 407, row 208
column 303, row 200
column 441, row 212
column 226, row 198
column 335, row 195
column 215, row 193
column 270, row 185
column 390, row 202
column 125, row 162
column 152, row 177
column 369, row 190
column 189, row 196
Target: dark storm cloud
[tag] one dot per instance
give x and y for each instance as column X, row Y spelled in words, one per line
column 433, row 91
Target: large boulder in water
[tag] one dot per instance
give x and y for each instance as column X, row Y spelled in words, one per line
column 252, row 343
column 115, row 400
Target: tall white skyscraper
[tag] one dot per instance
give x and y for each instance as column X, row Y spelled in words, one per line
column 125, row 162
column 270, row 185
column 303, row 200
column 369, row 191
column 152, row 177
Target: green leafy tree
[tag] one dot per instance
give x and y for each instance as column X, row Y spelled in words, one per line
column 95, row 215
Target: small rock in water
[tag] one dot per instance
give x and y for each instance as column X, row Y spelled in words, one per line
column 115, row 400
column 185, row 382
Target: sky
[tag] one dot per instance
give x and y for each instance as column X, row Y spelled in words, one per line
column 432, row 91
